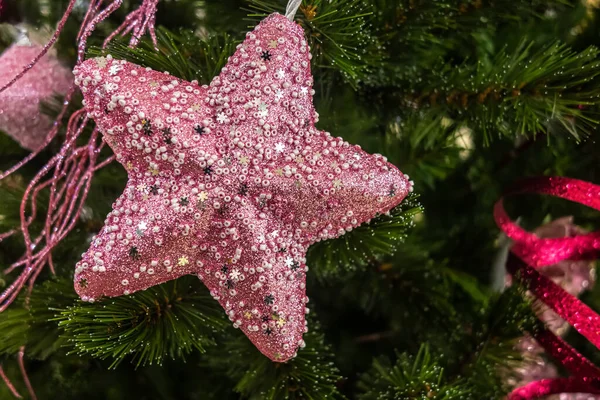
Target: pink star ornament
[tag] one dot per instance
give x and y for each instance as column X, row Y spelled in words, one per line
column 230, row 181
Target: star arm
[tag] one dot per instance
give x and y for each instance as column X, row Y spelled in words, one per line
column 148, row 118
column 319, row 186
column 261, row 279
column 151, row 236
column 331, row 186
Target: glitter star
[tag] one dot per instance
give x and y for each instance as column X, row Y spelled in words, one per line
column 281, row 195
column 266, row 55
column 182, row 261
column 281, row 322
column 273, row 44
column 100, row 62
column 269, row 299
column 235, row 275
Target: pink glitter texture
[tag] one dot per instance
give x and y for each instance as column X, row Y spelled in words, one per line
column 20, row 116
column 231, row 182
column 531, row 251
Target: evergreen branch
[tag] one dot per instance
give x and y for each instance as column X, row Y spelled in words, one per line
column 416, row 31
column 310, row 375
column 169, row 320
column 367, row 242
column 338, row 33
column 427, row 145
column 409, row 377
column 551, row 90
column 31, row 324
column 494, row 355
column 182, row 55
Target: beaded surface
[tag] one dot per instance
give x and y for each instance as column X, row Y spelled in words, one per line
column 230, row 181
column 20, row 115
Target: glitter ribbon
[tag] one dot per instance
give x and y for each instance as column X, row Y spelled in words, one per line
column 530, row 251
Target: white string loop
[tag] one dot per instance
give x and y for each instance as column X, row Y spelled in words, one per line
column 292, row 7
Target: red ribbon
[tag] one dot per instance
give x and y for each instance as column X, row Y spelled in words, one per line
column 530, row 251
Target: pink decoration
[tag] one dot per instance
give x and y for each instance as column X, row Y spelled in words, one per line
column 572, row 276
column 70, row 170
column 535, row 251
column 138, row 22
column 20, row 116
column 231, row 182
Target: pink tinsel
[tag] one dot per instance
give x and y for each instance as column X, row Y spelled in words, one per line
column 68, row 175
column 72, row 169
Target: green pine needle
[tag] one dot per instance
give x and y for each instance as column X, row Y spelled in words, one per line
column 183, row 55
column 169, row 320
column 30, row 324
column 410, row 377
column 366, row 243
column 311, row 375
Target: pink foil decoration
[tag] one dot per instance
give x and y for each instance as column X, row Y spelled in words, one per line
column 231, row 182
column 537, row 251
column 20, row 116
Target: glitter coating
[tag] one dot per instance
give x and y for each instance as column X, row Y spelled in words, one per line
column 574, row 276
column 20, row 116
column 535, row 251
column 230, row 181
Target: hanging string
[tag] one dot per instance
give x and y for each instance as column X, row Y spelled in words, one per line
column 292, row 7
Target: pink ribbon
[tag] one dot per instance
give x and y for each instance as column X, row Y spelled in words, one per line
column 530, row 251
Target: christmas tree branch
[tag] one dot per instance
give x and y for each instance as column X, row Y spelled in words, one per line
column 366, row 243
column 30, row 324
column 183, row 55
column 310, row 375
column 169, row 320
column 414, row 377
column 550, row 90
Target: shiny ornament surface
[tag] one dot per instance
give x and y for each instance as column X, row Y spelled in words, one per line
column 230, row 181
column 574, row 277
column 531, row 251
column 20, row 115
